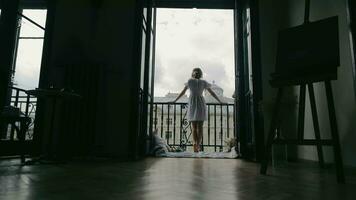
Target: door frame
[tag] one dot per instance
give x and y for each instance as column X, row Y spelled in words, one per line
column 33, row 146
column 257, row 73
column 253, row 151
column 351, row 15
column 237, row 6
column 205, row 4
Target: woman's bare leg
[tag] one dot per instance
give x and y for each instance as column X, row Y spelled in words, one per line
column 195, row 136
column 200, row 133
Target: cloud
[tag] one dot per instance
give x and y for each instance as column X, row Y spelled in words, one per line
column 203, row 38
column 197, row 21
column 172, row 77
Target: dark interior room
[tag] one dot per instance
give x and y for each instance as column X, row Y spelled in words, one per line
column 80, row 117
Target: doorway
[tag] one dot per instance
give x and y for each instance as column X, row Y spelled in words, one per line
column 185, row 39
column 25, row 48
column 244, row 106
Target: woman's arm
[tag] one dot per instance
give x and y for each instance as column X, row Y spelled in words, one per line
column 181, row 94
column 214, row 95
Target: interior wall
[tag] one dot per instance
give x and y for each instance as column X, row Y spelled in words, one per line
column 293, row 14
column 343, row 88
column 92, row 48
column 272, row 19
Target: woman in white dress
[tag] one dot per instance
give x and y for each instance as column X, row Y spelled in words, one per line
column 196, row 114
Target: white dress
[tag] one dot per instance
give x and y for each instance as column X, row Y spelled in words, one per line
column 196, row 102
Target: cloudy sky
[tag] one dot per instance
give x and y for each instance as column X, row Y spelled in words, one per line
column 189, row 38
column 28, row 62
column 186, row 38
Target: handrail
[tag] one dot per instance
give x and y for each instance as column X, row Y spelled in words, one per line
column 170, row 119
column 182, row 103
column 16, row 88
column 27, row 104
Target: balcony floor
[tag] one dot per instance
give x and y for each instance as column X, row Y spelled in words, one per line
column 171, row 179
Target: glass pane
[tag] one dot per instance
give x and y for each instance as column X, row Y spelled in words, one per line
column 152, row 50
column 29, row 51
column 150, row 65
column 0, row 8
column 153, row 18
column 28, row 63
column 148, row 116
column 249, row 52
column 28, row 29
column 143, row 58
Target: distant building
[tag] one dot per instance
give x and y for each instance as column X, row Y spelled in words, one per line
column 171, row 123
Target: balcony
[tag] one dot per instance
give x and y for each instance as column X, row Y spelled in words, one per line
column 172, row 125
column 27, row 105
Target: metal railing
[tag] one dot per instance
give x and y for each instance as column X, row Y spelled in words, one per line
column 27, row 105
column 170, row 120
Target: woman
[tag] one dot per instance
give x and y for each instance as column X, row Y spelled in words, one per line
column 196, row 105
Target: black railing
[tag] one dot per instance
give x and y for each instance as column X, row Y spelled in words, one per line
column 170, row 120
column 27, row 105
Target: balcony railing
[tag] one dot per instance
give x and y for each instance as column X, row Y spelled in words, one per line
column 27, row 104
column 170, row 120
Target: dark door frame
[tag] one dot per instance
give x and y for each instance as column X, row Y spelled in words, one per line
column 259, row 141
column 8, row 30
column 351, row 11
column 203, row 4
column 11, row 47
column 249, row 115
column 236, row 5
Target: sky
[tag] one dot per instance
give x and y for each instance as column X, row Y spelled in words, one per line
column 189, row 38
column 28, row 62
column 186, row 38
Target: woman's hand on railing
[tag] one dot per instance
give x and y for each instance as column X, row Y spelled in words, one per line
column 171, row 102
column 223, row 103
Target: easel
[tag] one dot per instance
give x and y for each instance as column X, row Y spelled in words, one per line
column 303, row 82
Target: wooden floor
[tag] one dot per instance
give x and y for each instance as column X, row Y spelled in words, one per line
column 171, row 179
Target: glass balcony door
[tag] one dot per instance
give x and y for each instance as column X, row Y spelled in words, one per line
column 248, row 80
column 147, row 76
column 22, row 32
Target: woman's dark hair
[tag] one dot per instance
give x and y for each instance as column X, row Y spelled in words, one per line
column 197, row 73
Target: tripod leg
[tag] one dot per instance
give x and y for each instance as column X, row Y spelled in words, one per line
column 22, row 137
column 271, row 132
column 301, row 114
column 334, row 132
column 316, row 124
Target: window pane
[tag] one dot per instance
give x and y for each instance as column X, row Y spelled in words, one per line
column 28, row 63
column 150, row 64
column 0, row 7
column 29, row 51
column 28, row 29
column 143, row 58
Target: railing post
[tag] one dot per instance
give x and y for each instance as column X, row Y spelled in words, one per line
column 227, row 121
column 17, row 98
column 215, row 128
column 162, row 114
column 181, row 124
column 168, row 122
column 208, row 125
column 156, row 119
column 174, row 125
column 221, row 128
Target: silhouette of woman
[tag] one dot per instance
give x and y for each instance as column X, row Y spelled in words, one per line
column 196, row 105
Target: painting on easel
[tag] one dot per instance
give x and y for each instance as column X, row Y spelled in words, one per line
column 308, row 53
